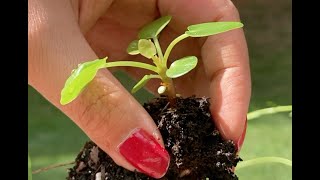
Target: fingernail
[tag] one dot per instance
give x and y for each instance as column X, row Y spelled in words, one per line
column 145, row 153
column 241, row 139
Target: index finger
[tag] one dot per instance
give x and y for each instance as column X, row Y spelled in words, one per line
column 225, row 59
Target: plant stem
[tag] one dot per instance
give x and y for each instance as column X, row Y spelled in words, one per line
column 132, row 64
column 265, row 111
column 171, row 89
column 153, row 76
column 168, row 82
column 158, row 47
column 171, row 45
column 262, row 160
column 156, row 61
column 51, row 167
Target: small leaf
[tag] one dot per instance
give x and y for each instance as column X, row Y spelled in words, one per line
column 79, row 79
column 143, row 82
column 182, row 66
column 133, row 48
column 152, row 29
column 211, row 28
column 29, row 168
column 147, row 48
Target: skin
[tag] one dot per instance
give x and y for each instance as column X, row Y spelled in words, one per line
column 64, row 33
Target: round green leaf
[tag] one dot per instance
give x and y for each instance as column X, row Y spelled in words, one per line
column 79, row 78
column 29, row 168
column 146, row 48
column 152, row 29
column 182, row 66
column 211, row 28
column 133, row 48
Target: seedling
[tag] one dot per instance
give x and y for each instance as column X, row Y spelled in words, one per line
column 148, row 46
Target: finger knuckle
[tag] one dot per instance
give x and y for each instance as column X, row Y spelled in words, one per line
column 99, row 107
column 227, row 10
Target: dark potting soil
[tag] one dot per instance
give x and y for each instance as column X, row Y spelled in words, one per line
column 197, row 151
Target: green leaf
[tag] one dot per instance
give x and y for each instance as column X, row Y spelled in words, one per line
column 182, row 66
column 79, row 79
column 143, row 82
column 29, row 168
column 147, row 48
column 152, row 29
column 211, row 28
column 133, row 48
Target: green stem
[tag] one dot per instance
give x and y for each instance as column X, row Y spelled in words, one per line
column 263, row 160
column 272, row 110
column 132, row 64
column 171, row 89
column 171, row 45
column 52, row 167
column 151, row 76
column 158, row 47
column 143, row 82
column 156, row 61
column 168, row 81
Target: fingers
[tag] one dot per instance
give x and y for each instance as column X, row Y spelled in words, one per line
column 226, row 62
column 120, row 126
column 91, row 11
column 105, row 111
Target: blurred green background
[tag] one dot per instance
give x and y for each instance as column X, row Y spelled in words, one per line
column 53, row 138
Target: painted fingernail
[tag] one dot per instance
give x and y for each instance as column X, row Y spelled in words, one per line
column 145, row 153
column 241, row 139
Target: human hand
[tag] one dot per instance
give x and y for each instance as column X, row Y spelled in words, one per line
column 63, row 34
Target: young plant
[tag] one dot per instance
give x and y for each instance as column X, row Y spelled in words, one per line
column 148, row 46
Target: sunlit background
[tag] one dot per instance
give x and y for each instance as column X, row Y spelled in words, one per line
column 53, row 138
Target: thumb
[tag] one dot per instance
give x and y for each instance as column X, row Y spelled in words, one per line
column 116, row 122
column 105, row 111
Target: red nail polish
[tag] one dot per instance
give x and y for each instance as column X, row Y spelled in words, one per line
column 241, row 139
column 143, row 152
